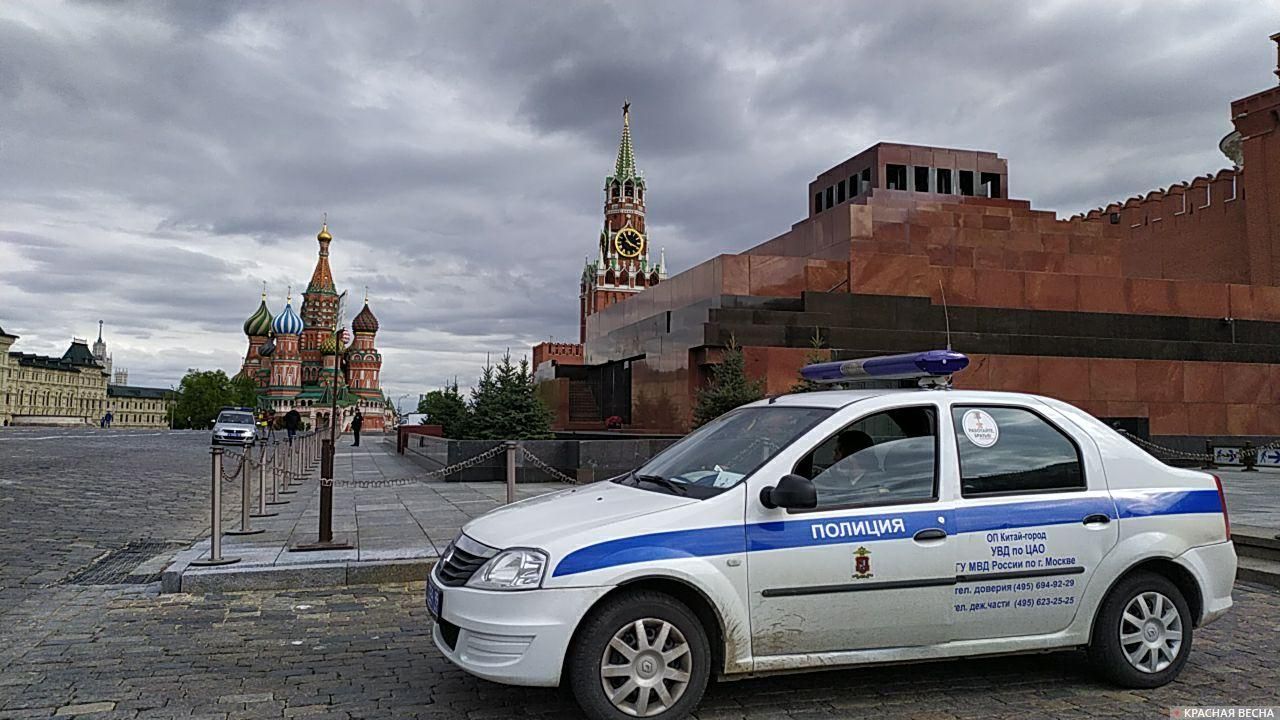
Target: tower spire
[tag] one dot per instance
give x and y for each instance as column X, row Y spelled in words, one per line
column 625, row 167
column 99, row 331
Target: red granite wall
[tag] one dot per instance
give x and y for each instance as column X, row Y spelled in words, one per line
column 1179, row 397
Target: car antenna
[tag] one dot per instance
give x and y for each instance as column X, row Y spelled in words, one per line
column 946, row 316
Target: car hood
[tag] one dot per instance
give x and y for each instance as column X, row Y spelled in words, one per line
column 538, row 521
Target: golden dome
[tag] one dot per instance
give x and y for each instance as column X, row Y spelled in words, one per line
column 324, row 233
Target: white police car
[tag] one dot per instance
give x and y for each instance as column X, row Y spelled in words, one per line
column 838, row 528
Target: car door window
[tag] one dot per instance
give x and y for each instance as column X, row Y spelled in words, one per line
column 1005, row 450
column 886, row 458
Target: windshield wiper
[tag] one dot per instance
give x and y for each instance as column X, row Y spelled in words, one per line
column 664, row 482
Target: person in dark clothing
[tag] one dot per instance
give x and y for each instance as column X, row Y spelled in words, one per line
column 292, row 420
column 356, row 422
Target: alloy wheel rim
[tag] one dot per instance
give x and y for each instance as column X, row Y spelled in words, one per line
column 645, row 668
column 1151, row 632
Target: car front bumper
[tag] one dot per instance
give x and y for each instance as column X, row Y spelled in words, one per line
column 233, row 439
column 511, row 637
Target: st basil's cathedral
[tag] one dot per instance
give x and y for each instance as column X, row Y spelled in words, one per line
column 297, row 360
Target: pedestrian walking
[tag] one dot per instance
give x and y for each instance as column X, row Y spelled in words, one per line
column 356, row 422
column 109, row 417
column 292, row 420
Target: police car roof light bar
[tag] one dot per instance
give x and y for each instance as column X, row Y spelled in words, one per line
column 908, row 366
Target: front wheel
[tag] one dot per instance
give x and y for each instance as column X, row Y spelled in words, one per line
column 643, row 655
column 1142, row 635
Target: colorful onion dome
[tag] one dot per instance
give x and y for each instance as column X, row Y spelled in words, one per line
column 365, row 322
column 259, row 323
column 288, row 322
column 329, row 345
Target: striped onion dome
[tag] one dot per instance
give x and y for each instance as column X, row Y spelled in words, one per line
column 288, row 322
column 259, row 323
column 365, row 322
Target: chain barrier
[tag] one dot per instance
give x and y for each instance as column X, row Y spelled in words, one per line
column 544, row 467
column 427, row 476
column 1171, row 452
column 235, row 472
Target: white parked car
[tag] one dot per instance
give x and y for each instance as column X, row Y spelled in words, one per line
column 839, row 528
column 234, row 426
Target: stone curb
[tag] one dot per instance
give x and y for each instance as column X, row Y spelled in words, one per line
column 179, row 577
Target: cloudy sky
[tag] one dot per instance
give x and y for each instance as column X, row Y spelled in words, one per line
column 160, row 160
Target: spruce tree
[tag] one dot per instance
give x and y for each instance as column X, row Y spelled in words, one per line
column 447, row 409
column 729, row 388
column 504, row 405
column 816, row 355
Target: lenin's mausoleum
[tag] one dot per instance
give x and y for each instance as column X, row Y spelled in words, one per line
column 1161, row 311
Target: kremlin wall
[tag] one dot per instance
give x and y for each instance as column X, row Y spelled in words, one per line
column 1161, row 311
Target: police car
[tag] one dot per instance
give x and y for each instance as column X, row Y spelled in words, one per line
column 840, row 528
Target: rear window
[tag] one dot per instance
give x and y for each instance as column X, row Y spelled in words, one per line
column 1007, row 451
column 236, row 418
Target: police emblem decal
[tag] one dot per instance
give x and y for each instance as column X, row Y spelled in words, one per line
column 862, row 564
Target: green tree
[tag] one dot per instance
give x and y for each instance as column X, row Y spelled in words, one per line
column 244, row 392
column 816, row 355
column 504, row 405
column 201, row 395
column 729, row 388
column 446, row 408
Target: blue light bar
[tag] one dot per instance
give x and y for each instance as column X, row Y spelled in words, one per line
column 930, row 363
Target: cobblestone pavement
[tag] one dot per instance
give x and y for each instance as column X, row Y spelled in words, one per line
column 365, row 652
column 68, row 496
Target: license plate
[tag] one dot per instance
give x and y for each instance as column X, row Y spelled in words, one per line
column 435, row 599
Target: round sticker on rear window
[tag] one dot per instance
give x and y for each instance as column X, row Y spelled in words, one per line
column 980, row 428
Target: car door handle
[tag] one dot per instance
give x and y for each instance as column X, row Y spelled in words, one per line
column 1097, row 519
column 930, row 534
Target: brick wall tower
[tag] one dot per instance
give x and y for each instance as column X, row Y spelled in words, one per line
column 622, row 266
column 364, row 362
column 319, row 311
column 286, row 361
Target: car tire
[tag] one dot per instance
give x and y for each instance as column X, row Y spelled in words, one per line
column 680, row 666
column 1136, row 630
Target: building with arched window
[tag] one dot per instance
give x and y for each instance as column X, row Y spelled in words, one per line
column 74, row 389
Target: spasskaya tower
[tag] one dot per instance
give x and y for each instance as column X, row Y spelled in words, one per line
column 622, row 266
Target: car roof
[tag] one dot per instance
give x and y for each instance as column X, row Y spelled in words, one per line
column 841, row 398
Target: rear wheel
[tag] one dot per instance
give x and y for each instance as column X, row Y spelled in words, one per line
column 640, row 655
column 1142, row 634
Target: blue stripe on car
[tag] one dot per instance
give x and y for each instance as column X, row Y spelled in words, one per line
column 779, row 535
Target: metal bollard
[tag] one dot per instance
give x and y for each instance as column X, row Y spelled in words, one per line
column 511, row 471
column 292, row 466
column 263, row 502
column 215, row 524
column 246, row 497
column 282, row 472
column 1208, row 451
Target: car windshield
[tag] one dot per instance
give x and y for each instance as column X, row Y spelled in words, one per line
column 718, row 455
column 235, row 418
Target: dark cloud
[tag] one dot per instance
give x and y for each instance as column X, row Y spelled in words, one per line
column 160, row 160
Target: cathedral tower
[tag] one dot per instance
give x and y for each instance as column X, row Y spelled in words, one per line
column 286, row 362
column 258, row 329
column 319, row 311
column 622, row 265
column 364, row 362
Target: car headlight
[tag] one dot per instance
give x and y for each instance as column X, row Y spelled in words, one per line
column 519, row 569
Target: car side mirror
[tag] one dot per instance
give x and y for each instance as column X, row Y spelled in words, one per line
column 794, row 492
